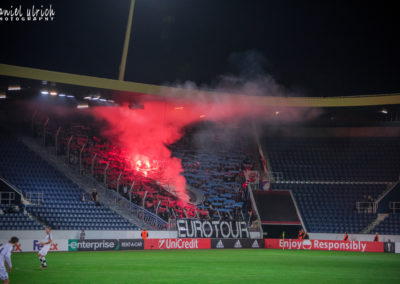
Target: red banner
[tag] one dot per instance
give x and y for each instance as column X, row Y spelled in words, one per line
column 324, row 245
column 177, row 244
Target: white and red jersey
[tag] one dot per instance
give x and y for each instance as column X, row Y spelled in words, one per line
column 5, row 254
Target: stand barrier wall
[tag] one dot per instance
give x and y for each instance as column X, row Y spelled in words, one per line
column 32, row 245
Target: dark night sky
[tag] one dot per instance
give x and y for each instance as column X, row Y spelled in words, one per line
column 318, row 48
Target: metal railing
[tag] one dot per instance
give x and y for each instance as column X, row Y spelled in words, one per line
column 140, row 213
column 395, row 206
column 253, row 201
column 10, row 197
column 275, row 176
column 7, row 197
column 389, row 188
column 366, row 207
column 35, row 198
column 172, row 224
column 297, row 210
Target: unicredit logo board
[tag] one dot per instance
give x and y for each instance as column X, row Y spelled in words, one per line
column 324, row 245
column 177, row 244
column 188, row 228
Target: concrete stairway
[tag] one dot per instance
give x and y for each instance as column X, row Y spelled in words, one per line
column 85, row 182
column 375, row 223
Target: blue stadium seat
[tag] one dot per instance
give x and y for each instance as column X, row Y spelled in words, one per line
column 61, row 203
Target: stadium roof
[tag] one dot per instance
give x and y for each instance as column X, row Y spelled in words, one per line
column 140, row 88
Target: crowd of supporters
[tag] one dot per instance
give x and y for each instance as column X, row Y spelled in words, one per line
column 92, row 154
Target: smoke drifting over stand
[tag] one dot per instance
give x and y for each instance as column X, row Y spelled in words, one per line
column 144, row 133
column 143, row 130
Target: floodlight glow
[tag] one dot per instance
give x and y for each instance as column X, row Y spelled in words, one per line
column 87, row 98
column 95, row 98
column 53, row 93
column 384, row 111
column 103, row 100
column 82, row 105
column 70, row 96
column 44, row 92
column 61, row 95
column 111, row 101
column 3, row 96
column 14, row 88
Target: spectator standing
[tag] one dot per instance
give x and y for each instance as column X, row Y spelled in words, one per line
column 94, row 195
column 206, row 203
column 301, row 235
column 376, row 237
column 82, row 235
column 11, row 209
column 389, row 246
column 251, row 217
column 144, row 234
column 21, row 206
column 370, row 204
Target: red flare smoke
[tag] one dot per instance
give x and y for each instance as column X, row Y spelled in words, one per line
column 143, row 134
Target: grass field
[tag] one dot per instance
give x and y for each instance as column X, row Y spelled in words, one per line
column 208, row 266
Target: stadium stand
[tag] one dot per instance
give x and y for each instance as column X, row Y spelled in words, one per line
column 109, row 162
column 60, row 206
column 217, row 174
column 17, row 220
column 335, row 159
column 332, row 207
column 389, row 226
column 329, row 175
column 215, row 165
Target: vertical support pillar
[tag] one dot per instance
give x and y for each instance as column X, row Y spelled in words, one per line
column 69, row 147
column 57, row 139
column 105, row 173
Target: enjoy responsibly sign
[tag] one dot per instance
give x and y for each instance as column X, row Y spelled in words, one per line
column 189, row 228
column 324, row 245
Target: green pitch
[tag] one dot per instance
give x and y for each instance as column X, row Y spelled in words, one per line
column 206, row 266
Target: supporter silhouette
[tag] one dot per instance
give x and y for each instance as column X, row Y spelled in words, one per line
column 95, row 197
column 82, row 235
